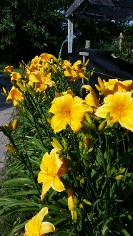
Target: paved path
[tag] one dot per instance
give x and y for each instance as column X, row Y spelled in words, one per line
column 5, row 116
column 6, row 111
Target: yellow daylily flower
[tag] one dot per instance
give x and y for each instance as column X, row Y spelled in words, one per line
column 15, row 95
column 35, row 226
column 15, row 76
column 113, row 85
column 34, row 65
column 118, row 86
column 66, row 64
column 75, row 71
column 67, row 110
column 40, row 80
column 8, row 68
column 52, row 168
column 33, row 77
column 91, row 98
column 46, row 57
column 120, row 107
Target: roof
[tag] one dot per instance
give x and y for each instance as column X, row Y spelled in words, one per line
column 101, row 9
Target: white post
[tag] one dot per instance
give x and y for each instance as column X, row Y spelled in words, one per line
column 85, row 54
column 70, row 36
column 120, row 41
column 87, row 43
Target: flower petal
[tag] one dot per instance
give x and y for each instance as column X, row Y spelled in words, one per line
column 46, row 227
column 75, row 125
column 33, row 225
column 57, row 185
column 58, row 123
column 127, row 122
column 46, row 186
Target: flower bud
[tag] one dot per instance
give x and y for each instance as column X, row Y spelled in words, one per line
column 15, row 124
column 74, row 215
column 122, row 170
column 102, row 125
column 119, row 177
column 10, row 148
column 88, row 118
column 87, row 202
column 88, row 141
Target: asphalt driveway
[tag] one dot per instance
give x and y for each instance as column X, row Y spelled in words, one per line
column 6, row 111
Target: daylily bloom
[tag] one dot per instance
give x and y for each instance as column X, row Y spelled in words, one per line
column 120, row 109
column 52, row 168
column 75, row 71
column 8, row 68
column 15, row 95
column 46, row 57
column 91, row 98
column 15, row 76
column 35, row 226
column 45, row 61
column 113, row 85
column 40, row 80
column 67, row 110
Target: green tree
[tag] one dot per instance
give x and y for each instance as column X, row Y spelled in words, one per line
column 30, row 27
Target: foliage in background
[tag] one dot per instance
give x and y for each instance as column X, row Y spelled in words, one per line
column 27, row 28
column 104, row 35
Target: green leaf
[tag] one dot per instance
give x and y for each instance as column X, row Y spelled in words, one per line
column 125, row 233
column 17, row 228
column 106, row 226
column 19, row 182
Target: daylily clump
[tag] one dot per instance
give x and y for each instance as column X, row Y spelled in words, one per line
column 73, row 141
column 41, row 71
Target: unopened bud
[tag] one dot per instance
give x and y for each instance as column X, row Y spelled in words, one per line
column 119, row 177
column 74, row 215
column 102, row 125
column 87, row 202
column 122, row 170
column 10, row 148
column 15, row 124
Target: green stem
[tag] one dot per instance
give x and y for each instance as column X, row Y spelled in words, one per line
column 32, row 173
column 34, row 119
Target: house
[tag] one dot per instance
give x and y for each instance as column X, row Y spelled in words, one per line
column 104, row 64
